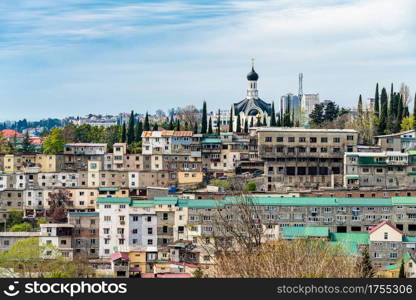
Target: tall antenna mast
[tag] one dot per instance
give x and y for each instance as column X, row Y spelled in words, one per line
column 300, row 85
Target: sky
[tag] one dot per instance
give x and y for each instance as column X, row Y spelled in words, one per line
column 74, row 57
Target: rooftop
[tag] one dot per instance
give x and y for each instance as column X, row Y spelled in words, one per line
column 301, row 129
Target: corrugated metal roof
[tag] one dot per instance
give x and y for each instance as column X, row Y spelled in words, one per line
column 291, row 232
column 83, row 214
column 108, row 189
column 210, row 140
column 113, row 200
column 403, row 200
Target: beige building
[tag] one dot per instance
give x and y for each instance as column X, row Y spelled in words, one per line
column 304, row 158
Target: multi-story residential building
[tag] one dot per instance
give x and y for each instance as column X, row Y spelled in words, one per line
column 382, row 170
column 85, row 149
column 401, row 141
column 304, row 158
column 85, row 240
column 60, row 236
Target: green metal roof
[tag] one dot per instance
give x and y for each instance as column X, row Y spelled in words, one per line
column 405, row 257
column 211, row 140
column 291, row 232
column 403, row 200
column 108, row 189
column 409, row 239
column 370, row 161
column 166, row 200
column 412, row 152
column 349, row 241
column 113, row 200
column 83, row 214
column 317, row 201
column 142, row 203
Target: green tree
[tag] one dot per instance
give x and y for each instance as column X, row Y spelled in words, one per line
column 414, row 112
column 383, row 112
column 14, row 217
column 54, row 143
column 219, row 122
column 250, row 186
column 264, row 120
column 230, row 125
column 178, row 125
column 171, row 126
column 238, row 129
column 198, row 273
column 246, row 126
column 273, row 122
column 22, row 227
column 331, row 112
column 210, row 131
column 317, row 115
column 139, row 131
column 364, row 265
column 130, row 129
column 402, row 273
column 123, row 133
column 377, row 102
column 146, row 125
column 204, row 127
column 251, row 122
column 196, row 128
column 27, row 146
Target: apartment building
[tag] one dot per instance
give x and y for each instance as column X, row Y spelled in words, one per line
column 382, row 170
column 304, row 158
column 85, row 241
column 401, row 141
column 58, row 235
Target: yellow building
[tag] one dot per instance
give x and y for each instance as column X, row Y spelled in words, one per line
column 190, row 177
column 9, row 163
column 138, row 259
column 46, row 162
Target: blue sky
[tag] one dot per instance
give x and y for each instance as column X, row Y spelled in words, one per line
column 72, row 57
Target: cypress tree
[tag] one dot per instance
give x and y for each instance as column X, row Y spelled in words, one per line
column 219, row 122
column 377, row 103
column 238, row 123
column 400, row 112
column 204, row 118
column 210, row 126
column 139, row 131
column 146, row 126
column 196, row 127
column 383, row 112
column 273, row 122
column 171, row 126
column 178, row 125
column 123, row 133
column 186, row 126
column 414, row 112
column 402, row 273
column 264, row 120
column 230, row 126
column 252, row 119
column 246, row 126
column 130, row 129
column 155, row 127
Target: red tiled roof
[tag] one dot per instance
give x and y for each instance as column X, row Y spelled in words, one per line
column 118, row 255
column 375, row 228
column 146, row 134
column 10, row 133
column 36, row 140
column 182, row 133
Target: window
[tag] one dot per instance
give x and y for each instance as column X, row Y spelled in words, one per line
column 279, row 139
column 150, row 242
column 291, row 139
column 312, row 139
column 337, row 140
column 350, row 137
column 324, row 140
column 268, row 139
column 149, row 230
column 386, row 235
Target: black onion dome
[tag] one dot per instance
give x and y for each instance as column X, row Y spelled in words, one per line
column 252, row 76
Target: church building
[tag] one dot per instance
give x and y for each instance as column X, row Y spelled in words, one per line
column 252, row 107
